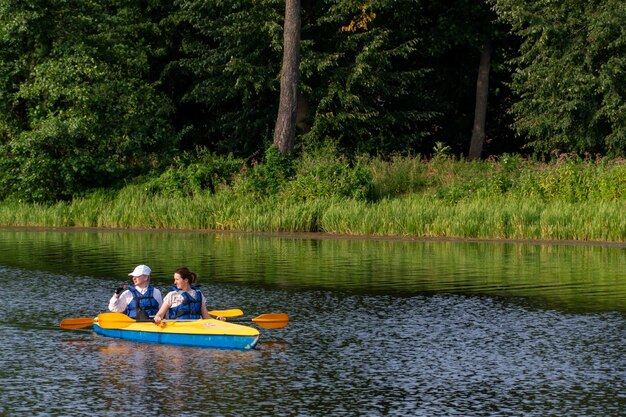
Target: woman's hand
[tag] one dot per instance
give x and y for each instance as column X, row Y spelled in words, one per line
column 157, row 319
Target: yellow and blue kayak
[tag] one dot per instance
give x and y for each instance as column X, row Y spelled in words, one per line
column 209, row 333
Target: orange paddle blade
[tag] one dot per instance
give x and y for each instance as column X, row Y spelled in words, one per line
column 113, row 320
column 272, row 321
column 77, row 323
column 234, row 312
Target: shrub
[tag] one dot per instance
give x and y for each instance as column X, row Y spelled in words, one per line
column 191, row 173
column 397, row 176
column 331, row 178
column 267, row 178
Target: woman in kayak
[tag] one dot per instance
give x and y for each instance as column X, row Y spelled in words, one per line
column 140, row 301
column 185, row 301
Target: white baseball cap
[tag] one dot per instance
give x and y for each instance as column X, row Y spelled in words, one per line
column 141, row 270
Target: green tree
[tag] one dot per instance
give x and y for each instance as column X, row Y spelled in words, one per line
column 77, row 109
column 570, row 73
column 228, row 73
column 460, row 34
column 382, row 76
column 363, row 76
column 388, row 76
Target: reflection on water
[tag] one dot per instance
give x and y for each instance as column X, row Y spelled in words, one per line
column 377, row 328
column 583, row 278
column 156, row 370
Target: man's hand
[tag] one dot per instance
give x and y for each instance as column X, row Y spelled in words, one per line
column 121, row 289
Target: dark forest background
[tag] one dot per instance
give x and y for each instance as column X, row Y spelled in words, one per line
column 96, row 92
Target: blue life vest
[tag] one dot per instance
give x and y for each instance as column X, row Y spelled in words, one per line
column 190, row 308
column 145, row 302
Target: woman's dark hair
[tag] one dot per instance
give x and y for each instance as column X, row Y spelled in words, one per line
column 185, row 273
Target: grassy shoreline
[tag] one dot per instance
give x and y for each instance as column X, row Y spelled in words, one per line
column 569, row 200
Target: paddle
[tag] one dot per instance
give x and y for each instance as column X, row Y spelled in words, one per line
column 76, row 323
column 103, row 319
column 114, row 319
column 234, row 312
column 268, row 321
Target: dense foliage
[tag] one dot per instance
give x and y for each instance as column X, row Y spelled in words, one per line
column 95, row 94
column 77, row 108
column 570, row 73
column 225, row 75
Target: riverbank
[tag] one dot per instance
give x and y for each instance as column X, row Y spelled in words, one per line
column 313, row 236
column 507, row 199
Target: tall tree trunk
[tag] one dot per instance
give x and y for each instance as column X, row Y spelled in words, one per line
column 285, row 130
column 480, row 112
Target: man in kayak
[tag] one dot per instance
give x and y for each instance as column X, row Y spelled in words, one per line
column 185, row 301
column 141, row 300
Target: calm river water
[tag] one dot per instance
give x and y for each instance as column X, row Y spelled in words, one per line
column 378, row 327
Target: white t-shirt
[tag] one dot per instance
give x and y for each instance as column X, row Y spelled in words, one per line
column 175, row 298
column 118, row 304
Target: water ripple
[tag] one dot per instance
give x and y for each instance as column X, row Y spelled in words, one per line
column 384, row 331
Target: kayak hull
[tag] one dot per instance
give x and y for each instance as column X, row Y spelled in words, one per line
column 199, row 333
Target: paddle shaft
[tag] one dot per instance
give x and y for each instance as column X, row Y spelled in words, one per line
column 82, row 322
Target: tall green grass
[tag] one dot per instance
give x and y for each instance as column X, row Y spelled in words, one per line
column 568, row 198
